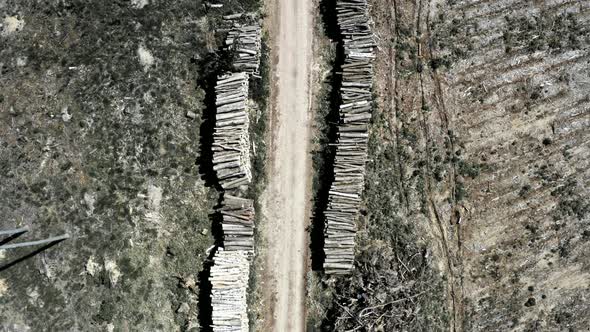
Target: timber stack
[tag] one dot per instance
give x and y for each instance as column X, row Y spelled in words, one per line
column 231, row 161
column 344, row 197
column 229, row 286
column 231, row 141
column 237, row 223
column 245, row 41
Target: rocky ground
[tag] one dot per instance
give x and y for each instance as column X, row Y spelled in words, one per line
column 96, row 143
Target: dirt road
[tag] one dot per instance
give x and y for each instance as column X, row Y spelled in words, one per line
column 286, row 203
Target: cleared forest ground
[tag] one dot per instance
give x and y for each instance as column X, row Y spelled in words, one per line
column 485, row 106
column 516, row 94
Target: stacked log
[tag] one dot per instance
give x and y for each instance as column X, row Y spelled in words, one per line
column 354, row 23
column 246, row 42
column 344, row 197
column 231, row 141
column 238, row 223
column 231, row 161
column 229, row 285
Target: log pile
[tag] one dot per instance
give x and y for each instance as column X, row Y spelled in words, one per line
column 229, row 285
column 231, row 141
column 354, row 23
column 238, row 223
column 344, row 197
column 231, row 161
column 246, row 42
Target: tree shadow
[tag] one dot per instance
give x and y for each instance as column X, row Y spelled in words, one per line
column 324, row 157
column 217, row 222
column 204, row 307
column 11, row 237
column 23, row 258
column 210, row 67
column 329, row 19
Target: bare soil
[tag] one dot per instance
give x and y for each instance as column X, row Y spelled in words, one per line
column 286, row 199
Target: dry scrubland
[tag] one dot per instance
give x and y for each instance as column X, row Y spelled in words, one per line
column 477, row 192
column 95, row 142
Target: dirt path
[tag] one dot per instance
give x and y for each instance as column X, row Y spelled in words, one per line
column 286, row 202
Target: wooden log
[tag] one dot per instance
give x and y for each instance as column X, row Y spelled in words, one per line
column 229, row 279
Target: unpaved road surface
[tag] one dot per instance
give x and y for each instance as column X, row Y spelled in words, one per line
column 286, row 203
